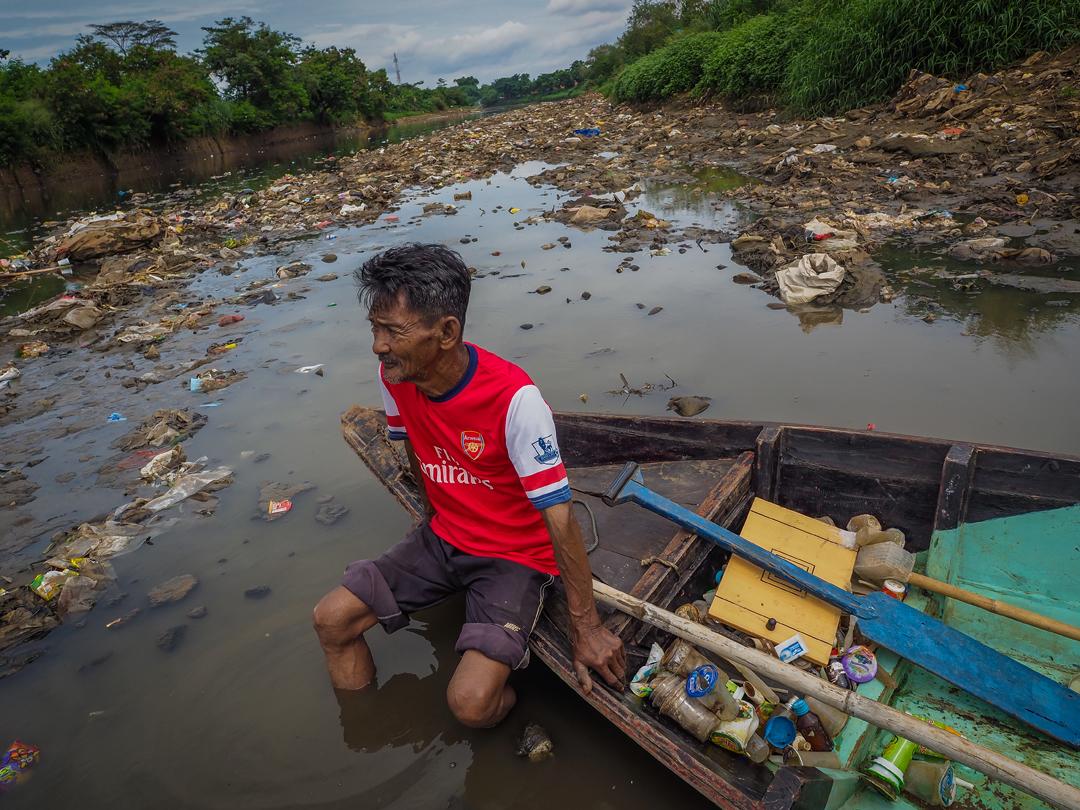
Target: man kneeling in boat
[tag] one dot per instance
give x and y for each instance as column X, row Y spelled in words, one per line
column 481, row 443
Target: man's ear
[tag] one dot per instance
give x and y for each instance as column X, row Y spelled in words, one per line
column 449, row 332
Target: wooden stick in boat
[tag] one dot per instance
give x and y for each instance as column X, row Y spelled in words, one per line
column 883, row 561
column 984, row 760
column 995, row 606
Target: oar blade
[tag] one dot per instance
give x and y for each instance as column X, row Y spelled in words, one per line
column 984, row 672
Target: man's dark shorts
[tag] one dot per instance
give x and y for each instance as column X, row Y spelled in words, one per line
column 503, row 599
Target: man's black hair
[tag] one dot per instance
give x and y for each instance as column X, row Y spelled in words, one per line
column 433, row 278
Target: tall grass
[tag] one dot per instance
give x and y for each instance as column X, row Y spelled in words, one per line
column 751, row 58
column 674, row 68
column 860, row 51
column 825, row 56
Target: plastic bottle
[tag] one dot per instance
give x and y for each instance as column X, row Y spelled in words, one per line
column 811, row 727
column 887, row 772
column 757, row 750
column 934, row 783
column 670, row 698
column 681, row 658
column 708, row 684
column 863, row 521
column 689, row 611
column 834, row 720
column 868, row 537
column 780, row 729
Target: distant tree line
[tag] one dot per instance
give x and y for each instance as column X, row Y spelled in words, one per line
column 124, row 85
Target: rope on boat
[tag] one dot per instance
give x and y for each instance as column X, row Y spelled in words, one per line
column 589, row 549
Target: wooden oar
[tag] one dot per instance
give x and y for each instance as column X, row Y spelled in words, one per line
column 995, row 606
column 884, row 561
column 995, row 765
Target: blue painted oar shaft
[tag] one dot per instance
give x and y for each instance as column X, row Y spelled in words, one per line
column 786, row 570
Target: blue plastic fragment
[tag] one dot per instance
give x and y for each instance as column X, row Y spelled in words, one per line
column 588, row 132
column 116, row 417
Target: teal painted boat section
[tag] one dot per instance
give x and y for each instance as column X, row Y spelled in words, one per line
column 1030, row 560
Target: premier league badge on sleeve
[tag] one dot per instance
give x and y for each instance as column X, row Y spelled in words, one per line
column 546, row 451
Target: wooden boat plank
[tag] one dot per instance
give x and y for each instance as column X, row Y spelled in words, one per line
column 904, row 505
column 686, row 551
column 636, row 533
column 767, row 456
column 617, row 570
column 869, row 455
column 983, row 505
column 955, row 489
column 1006, row 472
column 363, row 429
column 604, row 439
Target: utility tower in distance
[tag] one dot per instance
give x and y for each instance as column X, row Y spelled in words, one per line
column 397, row 69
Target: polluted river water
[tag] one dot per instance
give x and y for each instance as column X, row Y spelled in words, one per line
column 239, row 713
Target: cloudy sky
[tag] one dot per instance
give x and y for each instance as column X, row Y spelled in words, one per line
column 433, row 39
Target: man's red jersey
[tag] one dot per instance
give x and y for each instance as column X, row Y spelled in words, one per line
column 489, row 456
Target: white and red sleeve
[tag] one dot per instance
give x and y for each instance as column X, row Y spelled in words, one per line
column 395, row 426
column 534, row 449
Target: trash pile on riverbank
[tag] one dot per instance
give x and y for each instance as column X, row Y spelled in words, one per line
column 989, row 170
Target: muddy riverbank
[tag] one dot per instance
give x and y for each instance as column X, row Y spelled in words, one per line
column 86, row 180
column 69, row 180
column 620, row 252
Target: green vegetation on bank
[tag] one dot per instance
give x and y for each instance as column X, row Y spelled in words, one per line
column 824, row 56
column 125, row 86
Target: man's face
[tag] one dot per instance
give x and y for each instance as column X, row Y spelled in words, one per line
column 406, row 344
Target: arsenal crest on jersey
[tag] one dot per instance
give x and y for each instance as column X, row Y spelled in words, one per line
column 472, row 442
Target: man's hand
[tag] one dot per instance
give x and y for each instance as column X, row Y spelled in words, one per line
column 595, row 647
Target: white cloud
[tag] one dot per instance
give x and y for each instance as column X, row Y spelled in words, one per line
column 584, row 6
column 489, row 42
column 589, row 30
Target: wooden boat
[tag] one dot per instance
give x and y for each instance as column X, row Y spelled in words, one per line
column 998, row 521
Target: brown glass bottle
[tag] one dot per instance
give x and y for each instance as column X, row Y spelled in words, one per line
column 809, row 725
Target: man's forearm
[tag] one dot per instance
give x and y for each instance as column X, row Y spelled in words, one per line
column 594, row 646
column 573, row 564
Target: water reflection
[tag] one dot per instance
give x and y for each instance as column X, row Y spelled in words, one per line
column 20, row 296
column 198, row 175
column 695, row 195
column 936, row 287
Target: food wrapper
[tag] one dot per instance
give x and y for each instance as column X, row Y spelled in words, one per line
column 640, row 685
column 18, row 758
column 49, row 584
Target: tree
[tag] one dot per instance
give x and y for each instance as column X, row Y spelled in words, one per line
column 604, row 62
column 257, row 65
column 336, row 83
column 127, row 34
column 26, row 125
column 650, row 23
column 470, row 88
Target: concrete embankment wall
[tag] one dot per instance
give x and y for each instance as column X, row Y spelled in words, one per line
column 70, row 179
